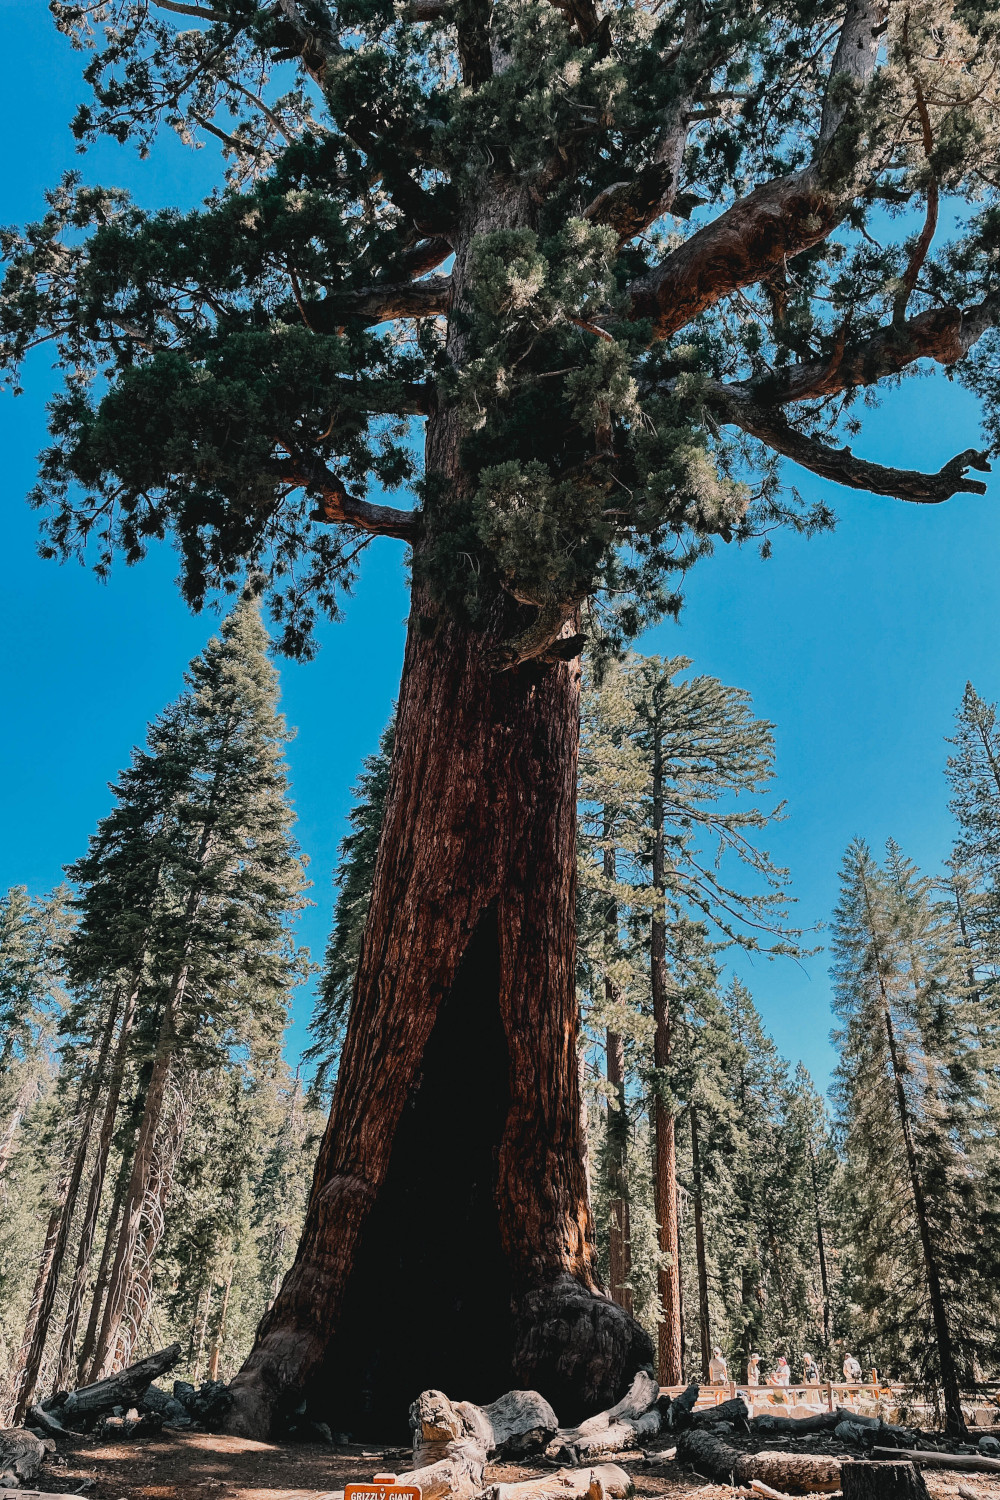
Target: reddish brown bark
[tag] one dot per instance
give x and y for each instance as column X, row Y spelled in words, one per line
column 448, row 1238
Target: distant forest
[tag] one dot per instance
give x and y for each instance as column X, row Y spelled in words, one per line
column 156, row 1149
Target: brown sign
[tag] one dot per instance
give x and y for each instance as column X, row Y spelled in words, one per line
column 382, row 1487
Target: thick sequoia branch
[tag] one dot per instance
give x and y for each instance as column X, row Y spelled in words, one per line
column 430, row 298
column 424, row 256
column 944, row 334
column 840, row 464
column 339, row 508
column 744, row 245
column 779, row 219
column 430, row 10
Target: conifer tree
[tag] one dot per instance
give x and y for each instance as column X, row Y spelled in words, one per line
column 33, row 932
column 974, row 777
column 616, row 258
column 222, row 961
column 662, row 761
column 923, row 1224
column 180, row 961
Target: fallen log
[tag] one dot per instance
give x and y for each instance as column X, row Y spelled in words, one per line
column 35, row 1495
column 631, row 1421
column 927, row 1458
column 126, row 1388
column 21, row 1455
column 824, row 1421
column 598, row 1482
column 862, row 1480
column 174, row 1414
column 733, row 1411
column 720, row 1461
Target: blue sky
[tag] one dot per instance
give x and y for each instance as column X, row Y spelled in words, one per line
column 857, row 644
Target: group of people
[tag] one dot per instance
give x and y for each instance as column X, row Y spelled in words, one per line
column 781, row 1375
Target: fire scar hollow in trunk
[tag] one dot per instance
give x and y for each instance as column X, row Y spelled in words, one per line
column 448, row 1239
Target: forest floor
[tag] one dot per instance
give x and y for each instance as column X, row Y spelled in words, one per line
column 205, row 1466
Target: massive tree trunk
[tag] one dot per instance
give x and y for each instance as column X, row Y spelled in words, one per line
column 448, row 1240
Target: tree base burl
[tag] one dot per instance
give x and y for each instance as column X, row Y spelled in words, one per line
column 861, row 1480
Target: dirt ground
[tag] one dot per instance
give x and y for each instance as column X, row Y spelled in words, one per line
column 203, row 1466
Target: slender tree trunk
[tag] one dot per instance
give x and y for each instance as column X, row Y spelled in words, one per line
column 954, row 1420
column 92, row 1210
column 664, row 1135
column 85, row 1359
column 119, row 1285
column 139, row 1307
column 202, row 1331
column 619, row 1246
column 820, row 1244
column 60, row 1224
column 456, row 1115
column 704, row 1324
column 220, row 1333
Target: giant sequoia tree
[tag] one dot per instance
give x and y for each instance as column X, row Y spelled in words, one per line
column 618, row 257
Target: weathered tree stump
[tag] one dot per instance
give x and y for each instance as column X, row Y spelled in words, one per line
column 21, row 1456
column 863, row 1480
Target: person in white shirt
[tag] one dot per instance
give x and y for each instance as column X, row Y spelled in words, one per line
column 753, row 1370
column 810, row 1371
column 782, row 1374
column 852, row 1370
column 718, row 1370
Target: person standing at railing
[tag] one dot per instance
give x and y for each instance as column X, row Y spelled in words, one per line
column 718, row 1370
column 852, row 1370
column 753, row 1370
column 810, row 1370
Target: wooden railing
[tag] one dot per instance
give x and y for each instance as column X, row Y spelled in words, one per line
column 827, row 1390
